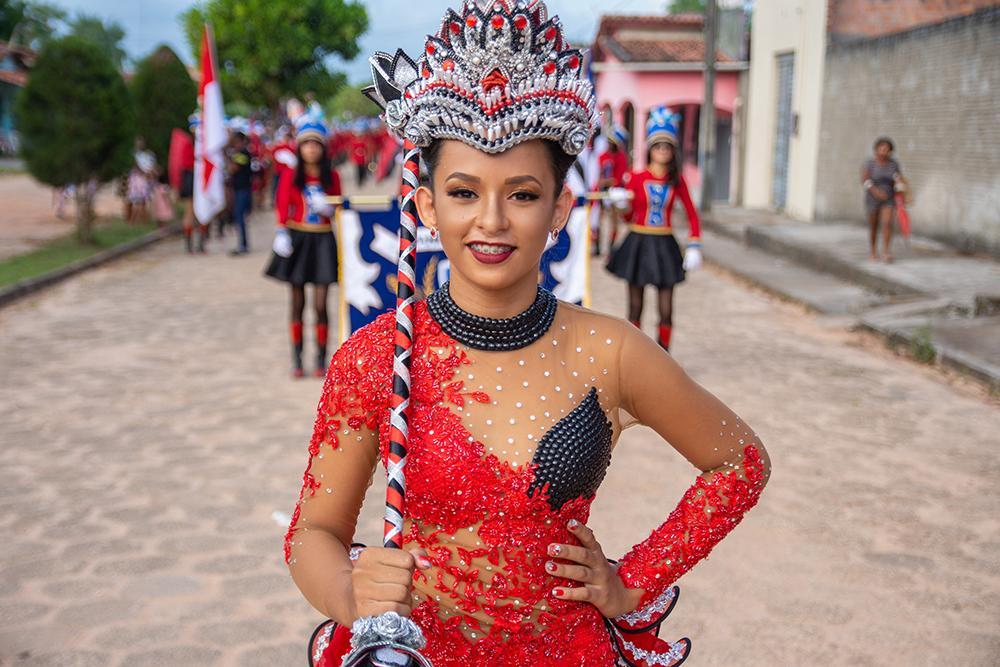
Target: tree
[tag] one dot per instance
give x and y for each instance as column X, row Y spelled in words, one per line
column 686, row 7
column 76, row 122
column 107, row 35
column 350, row 102
column 269, row 49
column 29, row 24
column 165, row 95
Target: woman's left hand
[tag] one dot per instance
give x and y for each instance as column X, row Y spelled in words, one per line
column 602, row 586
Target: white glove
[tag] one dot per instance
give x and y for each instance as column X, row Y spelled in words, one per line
column 619, row 198
column 282, row 245
column 286, row 157
column 692, row 257
column 317, row 202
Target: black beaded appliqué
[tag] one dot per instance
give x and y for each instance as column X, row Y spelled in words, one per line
column 484, row 333
column 573, row 457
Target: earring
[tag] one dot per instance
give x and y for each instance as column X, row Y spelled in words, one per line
column 555, row 234
column 434, row 233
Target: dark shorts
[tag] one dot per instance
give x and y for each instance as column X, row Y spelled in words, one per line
column 187, row 184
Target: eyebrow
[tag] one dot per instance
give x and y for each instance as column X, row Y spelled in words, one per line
column 514, row 180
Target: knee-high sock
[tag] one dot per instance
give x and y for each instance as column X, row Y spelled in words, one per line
column 665, row 331
column 296, row 332
column 322, row 334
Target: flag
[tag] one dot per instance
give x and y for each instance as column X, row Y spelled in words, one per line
column 210, row 139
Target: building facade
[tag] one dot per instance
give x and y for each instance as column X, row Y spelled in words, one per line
column 642, row 62
column 827, row 78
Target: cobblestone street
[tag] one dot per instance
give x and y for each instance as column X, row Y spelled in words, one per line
column 151, row 432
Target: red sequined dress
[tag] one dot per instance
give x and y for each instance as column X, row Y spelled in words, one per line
column 505, row 448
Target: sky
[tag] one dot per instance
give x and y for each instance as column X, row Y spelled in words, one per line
column 392, row 23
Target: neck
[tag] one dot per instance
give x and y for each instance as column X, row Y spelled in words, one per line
column 312, row 169
column 493, row 303
column 658, row 170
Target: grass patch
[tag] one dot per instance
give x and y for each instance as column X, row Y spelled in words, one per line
column 66, row 250
column 922, row 346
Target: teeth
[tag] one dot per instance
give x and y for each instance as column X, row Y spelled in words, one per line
column 490, row 249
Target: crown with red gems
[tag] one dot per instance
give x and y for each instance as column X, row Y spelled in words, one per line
column 498, row 74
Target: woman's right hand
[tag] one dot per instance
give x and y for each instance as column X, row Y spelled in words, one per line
column 382, row 580
column 880, row 194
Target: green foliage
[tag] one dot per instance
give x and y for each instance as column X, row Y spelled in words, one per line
column 107, row 35
column 922, row 346
column 75, row 119
column 29, row 24
column 686, row 6
column 165, row 95
column 270, row 49
column 349, row 102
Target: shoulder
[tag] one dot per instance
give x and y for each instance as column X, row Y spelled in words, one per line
column 608, row 331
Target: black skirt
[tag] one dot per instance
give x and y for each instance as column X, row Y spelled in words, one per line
column 648, row 259
column 313, row 259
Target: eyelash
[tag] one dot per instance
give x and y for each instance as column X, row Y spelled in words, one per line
column 464, row 193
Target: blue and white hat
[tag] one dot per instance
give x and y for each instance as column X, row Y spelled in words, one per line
column 619, row 135
column 310, row 125
column 662, row 126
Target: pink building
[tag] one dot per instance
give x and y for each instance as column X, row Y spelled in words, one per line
column 641, row 62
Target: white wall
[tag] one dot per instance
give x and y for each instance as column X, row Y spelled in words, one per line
column 780, row 27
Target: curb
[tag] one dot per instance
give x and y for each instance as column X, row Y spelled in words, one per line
column 28, row 286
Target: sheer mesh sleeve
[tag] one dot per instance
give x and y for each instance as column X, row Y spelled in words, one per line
column 733, row 462
column 343, row 454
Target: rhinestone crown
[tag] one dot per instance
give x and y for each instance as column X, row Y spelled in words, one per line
column 494, row 76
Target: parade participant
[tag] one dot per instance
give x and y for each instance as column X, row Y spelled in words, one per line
column 283, row 158
column 359, row 153
column 141, row 179
column 181, row 170
column 879, row 176
column 241, row 177
column 516, row 401
column 614, row 165
column 305, row 249
column 650, row 255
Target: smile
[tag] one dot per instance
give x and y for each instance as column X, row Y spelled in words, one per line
column 491, row 253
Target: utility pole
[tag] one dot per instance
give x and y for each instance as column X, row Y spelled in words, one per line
column 706, row 135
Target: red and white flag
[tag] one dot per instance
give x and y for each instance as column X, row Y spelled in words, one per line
column 210, row 138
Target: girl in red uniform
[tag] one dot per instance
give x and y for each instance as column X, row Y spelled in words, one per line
column 650, row 255
column 516, row 400
column 305, row 248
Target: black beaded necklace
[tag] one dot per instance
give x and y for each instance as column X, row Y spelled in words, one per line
column 484, row 333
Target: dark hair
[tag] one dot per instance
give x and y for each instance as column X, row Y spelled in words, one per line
column 325, row 170
column 559, row 160
column 673, row 167
column 884, row 140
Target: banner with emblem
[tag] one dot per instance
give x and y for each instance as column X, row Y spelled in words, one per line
column 369, row 244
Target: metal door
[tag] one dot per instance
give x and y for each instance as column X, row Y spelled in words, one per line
column 783, row 130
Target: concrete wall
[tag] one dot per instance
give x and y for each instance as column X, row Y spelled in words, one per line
column 936, row 91
column 780, row 27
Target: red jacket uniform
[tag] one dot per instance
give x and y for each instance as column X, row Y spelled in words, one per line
column 293, row 208
column 653, row 203
column 614, row 166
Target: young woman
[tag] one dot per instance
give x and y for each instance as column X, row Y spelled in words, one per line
column 305, row 249
column 879, row 176
column 650, row 255
column 517, row 400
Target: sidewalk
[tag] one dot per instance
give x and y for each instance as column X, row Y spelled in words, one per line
column 930, row 298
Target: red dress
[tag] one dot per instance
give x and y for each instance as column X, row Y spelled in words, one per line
column 505, row 448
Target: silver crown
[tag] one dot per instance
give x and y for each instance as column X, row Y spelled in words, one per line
column 494, row 76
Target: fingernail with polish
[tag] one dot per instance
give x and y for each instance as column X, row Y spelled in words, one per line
column 423, row 562
column 573, row 524
column 554, row 549
column 558, row 592
column 550, row 566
